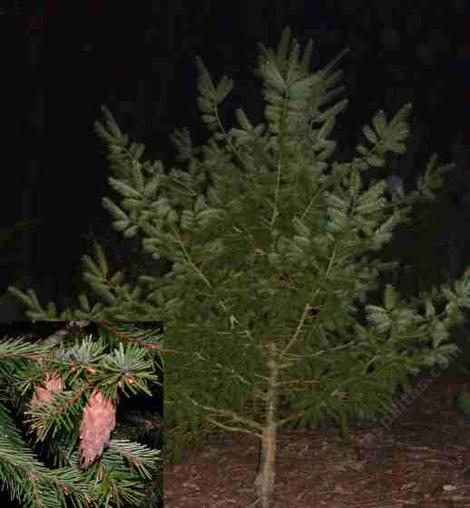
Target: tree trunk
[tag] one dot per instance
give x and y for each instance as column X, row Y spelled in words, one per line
column 267, row 464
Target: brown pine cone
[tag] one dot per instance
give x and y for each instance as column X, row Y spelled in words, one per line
column 43, row 393
column 98, row 421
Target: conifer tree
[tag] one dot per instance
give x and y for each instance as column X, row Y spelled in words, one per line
column 274, row 250
column 58, row 415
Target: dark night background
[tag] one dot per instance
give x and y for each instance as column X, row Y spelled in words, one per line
column 63, row 60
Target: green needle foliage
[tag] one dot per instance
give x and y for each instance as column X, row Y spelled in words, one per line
column 39, row 456
column 275, row 252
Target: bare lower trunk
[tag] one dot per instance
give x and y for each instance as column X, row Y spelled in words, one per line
column 267, row 464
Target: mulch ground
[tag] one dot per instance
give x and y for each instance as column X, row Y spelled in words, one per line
column 421, row 459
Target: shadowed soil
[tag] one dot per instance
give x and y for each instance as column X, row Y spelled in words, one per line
column 420, row 459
